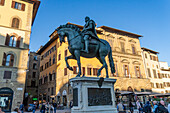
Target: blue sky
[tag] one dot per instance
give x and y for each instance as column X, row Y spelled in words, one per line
column 150, row 18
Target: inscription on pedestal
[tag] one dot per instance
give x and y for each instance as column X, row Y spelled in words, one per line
column 75, row 97
column 99, row 96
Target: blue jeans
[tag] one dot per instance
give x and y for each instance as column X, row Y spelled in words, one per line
column 33, row 111
column 42, row 111
column 55, row 110
column 22, row 111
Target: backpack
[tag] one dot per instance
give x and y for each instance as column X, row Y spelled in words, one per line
column 145, row 108
column 157, row 110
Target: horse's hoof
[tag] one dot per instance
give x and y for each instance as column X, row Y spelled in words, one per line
column 107, row 76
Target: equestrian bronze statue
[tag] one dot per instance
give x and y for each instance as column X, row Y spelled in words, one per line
column 85, row 43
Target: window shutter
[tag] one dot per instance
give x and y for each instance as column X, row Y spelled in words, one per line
column 2, row 2
column 18, row 41
column 124, row 70
column 128, row 70
column 140, row 73
column 13, row 4
column 4, row 60
column 7, row 40
column 135, row 71
column 11, row 60
column 23, row 7
column 65, row 71
column 74, row 70
column 83, row 70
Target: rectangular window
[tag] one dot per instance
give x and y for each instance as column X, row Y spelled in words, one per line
column 122, row 47
column 149, row 72
column 18, row 6
column 50, row 77
column 126, row 71
column 32, row 83
column 154, row 73
column 33, row 74
column 116, row 71
column 133, row 49
column 137, row 71
column 7, row 74
column 145, row 55
column 65, row 71
column 152, row 85
column 2, row 2
column 65, row 53
column 52, row 91
column 59, row 57
column 75, row 70
column 95, row 71
column 89, row 71
column 83, row 69
column 150, row 57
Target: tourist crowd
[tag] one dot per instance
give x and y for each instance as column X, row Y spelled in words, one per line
column 149, row 107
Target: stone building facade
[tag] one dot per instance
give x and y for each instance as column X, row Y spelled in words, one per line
column 126, row 51
column 153, row 70
column 16, row 19
column 165, row 76
column 32, row 78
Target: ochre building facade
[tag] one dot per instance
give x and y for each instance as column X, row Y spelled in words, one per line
column 16, row 19
column 126, row 51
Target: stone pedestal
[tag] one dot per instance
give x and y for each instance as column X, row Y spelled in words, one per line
column 93, row 95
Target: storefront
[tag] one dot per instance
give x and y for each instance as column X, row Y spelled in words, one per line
column 6, row 96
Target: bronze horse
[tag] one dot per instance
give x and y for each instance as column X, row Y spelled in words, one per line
column 99, row 49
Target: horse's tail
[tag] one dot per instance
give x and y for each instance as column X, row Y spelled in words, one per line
column 111, row 61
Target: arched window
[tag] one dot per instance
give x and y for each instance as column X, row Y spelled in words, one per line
column 15, row 23
column 12, row 41
column 8, row 60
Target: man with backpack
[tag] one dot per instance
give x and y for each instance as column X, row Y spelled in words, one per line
column 161, row 108
column 147, row 107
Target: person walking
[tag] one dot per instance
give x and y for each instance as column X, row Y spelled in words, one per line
column 47, row 107
column 120, row 108
column 131, row 106
column 155, row 106
column 21, row 107
column 42, row 108
column 147, row 107
column 34, row 107
column 161, row 108
column 55, row 106
column 139, row 106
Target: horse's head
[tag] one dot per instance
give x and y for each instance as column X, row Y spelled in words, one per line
column 61, row 35
column 67, row 30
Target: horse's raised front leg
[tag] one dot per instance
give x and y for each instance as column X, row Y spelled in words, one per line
column 103, row 61
column 66, row 60
column 77, row 55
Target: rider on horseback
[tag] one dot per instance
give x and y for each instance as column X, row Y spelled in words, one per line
column 89, row 32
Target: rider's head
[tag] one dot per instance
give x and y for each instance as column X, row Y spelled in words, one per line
column 87, row 19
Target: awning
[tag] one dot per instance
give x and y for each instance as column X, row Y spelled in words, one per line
column 161, row 95
column 124, row 93
column 142, row 93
